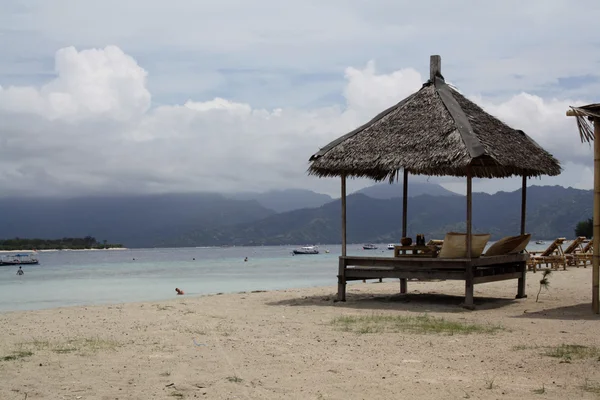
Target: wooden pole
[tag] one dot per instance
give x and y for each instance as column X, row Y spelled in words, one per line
column 596, row 246
column 435, row 67
column 343, row 215
column 469, row 211
column 469, row 273
column 404, row 202
column 404, row 282
column 523, row 203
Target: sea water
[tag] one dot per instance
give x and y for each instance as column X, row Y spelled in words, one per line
column 69, row 278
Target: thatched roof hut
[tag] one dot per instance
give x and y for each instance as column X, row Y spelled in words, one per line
column 435, row 131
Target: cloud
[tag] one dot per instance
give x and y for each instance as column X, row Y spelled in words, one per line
column 191, row 47
column 92, row 130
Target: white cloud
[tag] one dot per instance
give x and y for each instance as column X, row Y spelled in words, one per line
column 90, row 130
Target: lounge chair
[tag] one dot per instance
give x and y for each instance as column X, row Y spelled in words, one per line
column 573, row 247
column 552, row 257
column 584, row 256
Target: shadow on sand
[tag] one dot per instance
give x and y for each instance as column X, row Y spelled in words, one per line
column 415, row 302
column 575, row 312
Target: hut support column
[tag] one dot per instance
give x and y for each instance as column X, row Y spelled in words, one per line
column 342, row 264
column 469, row 273
column 596, row 244
column 523, row 266
column 403, row 282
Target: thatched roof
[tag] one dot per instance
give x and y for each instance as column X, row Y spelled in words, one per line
column 435, row 131
column 585, row 115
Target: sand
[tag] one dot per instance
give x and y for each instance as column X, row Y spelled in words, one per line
column 283, row 345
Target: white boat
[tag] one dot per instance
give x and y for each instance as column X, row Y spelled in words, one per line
column 18, row 259
column 369, row 247
column 539, row 242
column 391, row 246
column 306, row 250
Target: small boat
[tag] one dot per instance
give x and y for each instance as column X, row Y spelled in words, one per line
column 306, row 250
column 18, row 259
column 391, row 246
column 369, row 247
column 539, row 242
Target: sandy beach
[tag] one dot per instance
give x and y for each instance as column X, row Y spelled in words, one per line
column 300, row 344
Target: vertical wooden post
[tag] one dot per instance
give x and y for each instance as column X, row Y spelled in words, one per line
column 521, row 283
column 596, row 245
column 343, row 215
column 342, row 261
column 435, row 67
column 523, row 203
column 469, row 273
column 403, row 281
column 404, row 203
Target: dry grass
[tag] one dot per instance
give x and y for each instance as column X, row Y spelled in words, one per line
column 422, row 324
column 82, row 346
column 565, row 352
column 17, row 355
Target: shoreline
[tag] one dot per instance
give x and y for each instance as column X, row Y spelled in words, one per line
column 286, row 344
column 53, row 250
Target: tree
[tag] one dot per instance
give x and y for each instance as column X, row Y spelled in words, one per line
column 585, row 228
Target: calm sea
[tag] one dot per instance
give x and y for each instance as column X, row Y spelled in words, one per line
column 68, row 278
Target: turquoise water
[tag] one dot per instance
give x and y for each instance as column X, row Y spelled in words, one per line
column 68, row 278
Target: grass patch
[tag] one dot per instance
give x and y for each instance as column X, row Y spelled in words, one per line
column 591, row 387
column 234, row 379
column 572, row 352
column 80, row 345
column 565, row 352
column 541, row 390
column 413, row 324
column 179, row 395
column 17, row 355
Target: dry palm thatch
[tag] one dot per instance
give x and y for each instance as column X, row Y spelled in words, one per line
column 585, row 116
column 435, row 131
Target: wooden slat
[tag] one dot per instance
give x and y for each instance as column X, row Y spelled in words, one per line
column 495, row 278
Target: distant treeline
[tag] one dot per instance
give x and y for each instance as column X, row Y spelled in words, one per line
column 87, row 242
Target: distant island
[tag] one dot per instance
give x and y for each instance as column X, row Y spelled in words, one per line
column 87, row 242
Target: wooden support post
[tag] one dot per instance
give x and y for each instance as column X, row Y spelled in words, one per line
column 403, row 282
column 341, row 295
column 342, row 261
column 469, row 273
column 521, row 284
column 596, row 245
column 404, row 203
column 523, row 203
column 343, row 215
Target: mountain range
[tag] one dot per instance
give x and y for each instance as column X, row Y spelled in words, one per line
column 290, row 216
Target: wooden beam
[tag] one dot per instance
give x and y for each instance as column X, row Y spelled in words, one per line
column 596, row 246
column 404, row 203
column 469, row 211
column 343, row 215
column 523, row 203
column 435, row 67
column 469, row 273
column 573, row 113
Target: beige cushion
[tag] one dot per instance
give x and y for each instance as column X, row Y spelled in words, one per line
column 509, row 245
column 455, row 245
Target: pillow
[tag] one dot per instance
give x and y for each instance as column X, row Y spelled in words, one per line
column 455, row 245
column 509, row 245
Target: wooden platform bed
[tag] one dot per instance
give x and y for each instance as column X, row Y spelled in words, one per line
column 472, row 271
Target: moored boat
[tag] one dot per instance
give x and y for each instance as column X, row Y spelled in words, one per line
column 306, row 250
column 369, row 247
column 391, row 246
column 18, row 259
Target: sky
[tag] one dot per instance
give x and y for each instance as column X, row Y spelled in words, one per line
column 225, row 96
